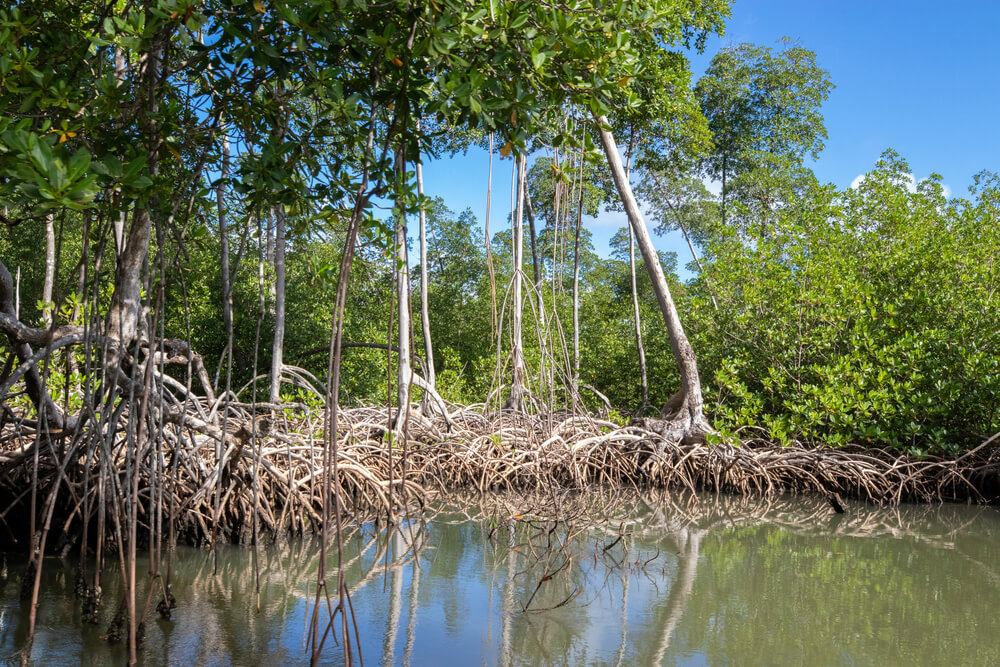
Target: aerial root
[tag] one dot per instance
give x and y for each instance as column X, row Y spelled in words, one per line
column 273, row 468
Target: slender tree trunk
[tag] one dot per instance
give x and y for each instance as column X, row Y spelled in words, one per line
column 227, row 289
column 723, row 192
column 269, row 259
column 694, row 254
column 643, row 378
column 50, row 269
column 516, row 398
column 535, row 259
column 689, row 421
column 279, row 304
column 118, row 221
column 269, row 242
column 403, row 371
column 494, row 325
column 425, row 318
column 576, row 287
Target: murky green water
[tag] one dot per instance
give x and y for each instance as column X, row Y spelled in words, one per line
column 691, row 582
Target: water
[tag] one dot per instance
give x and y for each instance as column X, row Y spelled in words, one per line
column 692, row 581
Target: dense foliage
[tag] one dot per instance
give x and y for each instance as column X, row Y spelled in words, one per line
column 862, row 316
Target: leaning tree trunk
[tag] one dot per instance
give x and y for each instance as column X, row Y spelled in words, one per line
column 688, row 421
column 279, row 304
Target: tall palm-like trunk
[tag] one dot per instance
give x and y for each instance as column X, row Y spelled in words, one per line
column 688, row 420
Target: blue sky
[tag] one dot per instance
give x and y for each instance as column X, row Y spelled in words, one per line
column 920, row 77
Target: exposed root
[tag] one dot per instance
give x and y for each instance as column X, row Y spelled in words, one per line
column 481, row 451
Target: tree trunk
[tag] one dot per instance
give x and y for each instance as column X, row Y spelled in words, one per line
column 220, row 196
column 701, row 269
column 425, row 317
column 535, row 260
column 494, row 325
column 723, row 191
column 118, row 221
column 516, row 399
column 688, row 422
column 50, row 270
column 576, row 287
column 643, row 379
column 123, row 315
column 636, row 319
column 227, row 290
column 403, row 372
column 279, row 303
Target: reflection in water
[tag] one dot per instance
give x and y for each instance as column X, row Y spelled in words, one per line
column 624, row 580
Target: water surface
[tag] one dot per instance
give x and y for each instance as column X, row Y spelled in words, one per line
column 630, row 580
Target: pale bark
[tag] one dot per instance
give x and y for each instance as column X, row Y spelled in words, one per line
column 227, row 289
column 425, row 317
column 489, row 251
column 50, row 269
column 576, row 287
column 689, row 421
column 118, row 221
column 278, row 346
column 643, row 377
column 517, row 390
column 680, row 589
column 403, row 370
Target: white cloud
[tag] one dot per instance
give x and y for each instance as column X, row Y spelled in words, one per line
column 857, row 181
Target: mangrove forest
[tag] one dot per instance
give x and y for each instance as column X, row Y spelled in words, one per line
column 244, row 348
